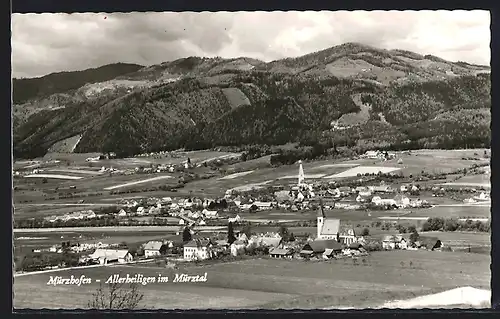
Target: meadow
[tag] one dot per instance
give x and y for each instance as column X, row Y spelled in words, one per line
column 272, row 284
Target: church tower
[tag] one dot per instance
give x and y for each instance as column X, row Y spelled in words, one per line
column 321, row 218
column 301, row 174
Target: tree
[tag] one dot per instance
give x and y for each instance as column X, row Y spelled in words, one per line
column 230, row 233
column 186, row 234
column 247, row 230
column 365, row 232
column 116, row 297
column 283, row 231
column 414, row 237
column 163, row 249
column 291, row 237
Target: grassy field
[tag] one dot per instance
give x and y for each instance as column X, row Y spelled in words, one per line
column 271, row 284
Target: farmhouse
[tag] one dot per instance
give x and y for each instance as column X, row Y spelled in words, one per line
column 197, row 249
column 431, row 243
column 318, row 248
column 400, row 242
column 383, row 201
column 235, row 219
column 263, row 205
column 388, row 242
column 347, row 235
column 237, row 247
column 270, row 242
column 210, row 214
column 281, row 253
column 402, row 201
column 152, row 249
column 381, row 189
column 122, row 213
column 106, row 256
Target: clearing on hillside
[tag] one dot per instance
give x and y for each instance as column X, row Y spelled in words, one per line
column 364, row 170
column 235, row 175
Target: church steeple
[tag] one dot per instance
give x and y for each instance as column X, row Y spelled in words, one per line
column 301, row 174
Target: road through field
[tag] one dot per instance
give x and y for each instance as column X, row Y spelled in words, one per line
column 112, row 229
column 138, row 182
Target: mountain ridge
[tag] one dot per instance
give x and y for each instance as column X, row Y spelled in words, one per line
column 196, row 102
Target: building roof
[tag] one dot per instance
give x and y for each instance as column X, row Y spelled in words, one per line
column 198, row 243
column 109, row 253
column 279, row 251
column 331, row 226
column 153, row 245
column 430, row 242
column 355, row 246
column 319, row 246
column 270, row 241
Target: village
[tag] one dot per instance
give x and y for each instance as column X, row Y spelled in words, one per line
column 334, row 238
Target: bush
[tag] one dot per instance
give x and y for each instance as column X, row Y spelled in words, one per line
column 365, row 232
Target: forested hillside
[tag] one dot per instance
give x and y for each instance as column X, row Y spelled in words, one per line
column 197, row 103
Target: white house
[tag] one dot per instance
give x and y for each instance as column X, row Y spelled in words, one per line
column 197, row 249
column 140, row 210
column 388, row 242
column 122, row 213
column 402, row 201
column 400, row 242
column 152, row 249
column 234, row 219
column 383, row 201
column 209, row 214
column 106, row 256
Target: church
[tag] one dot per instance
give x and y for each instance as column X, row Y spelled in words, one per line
column 332, row 228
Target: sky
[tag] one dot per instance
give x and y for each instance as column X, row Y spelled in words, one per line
column 46, row 43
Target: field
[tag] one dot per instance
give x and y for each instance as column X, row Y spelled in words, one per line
column 364, row 170
column 92, row 187
column 272, row 284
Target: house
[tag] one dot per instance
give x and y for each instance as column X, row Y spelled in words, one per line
column 403, row 188
column 327, row 228
column 318, row 247
column 106, row 256
column 383, row 201
column 122, row 213
column 381, row 189
column 401, row 242
column 402, row 201
column 430, row 243
column 372, row 154
column 152, row 249
column 263, row 205
column 347, row 235
column 270, row 242
column 210, row 214
column 197, row 249
column 234, row 219
column 482, row 197
column 140, row 210
column 388, row 242
column 280, row 253
column 238, row 248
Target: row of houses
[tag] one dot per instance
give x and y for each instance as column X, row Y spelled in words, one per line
column 390, row 242
column 79, row 215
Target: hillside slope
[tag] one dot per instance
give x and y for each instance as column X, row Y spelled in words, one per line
column 390, row 99
column 27, row 89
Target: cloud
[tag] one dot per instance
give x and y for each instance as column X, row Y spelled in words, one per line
column 45, row 43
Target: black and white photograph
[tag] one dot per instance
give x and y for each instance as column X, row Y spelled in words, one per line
column 251, row 160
